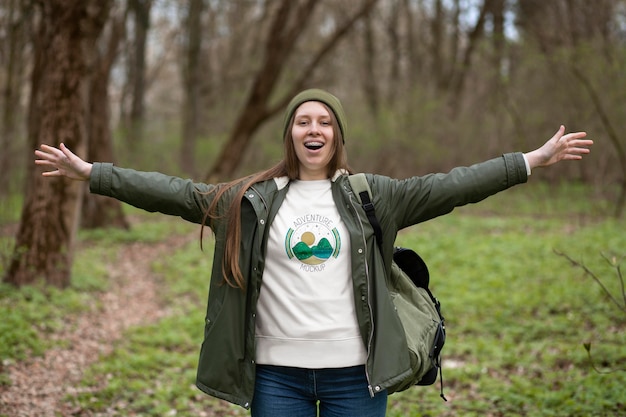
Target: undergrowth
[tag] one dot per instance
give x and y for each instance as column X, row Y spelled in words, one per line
column 518, row 317
column 32, row 313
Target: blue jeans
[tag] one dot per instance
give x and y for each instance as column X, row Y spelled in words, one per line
column 295, row 392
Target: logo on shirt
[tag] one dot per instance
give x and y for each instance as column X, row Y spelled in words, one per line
column 313, row 240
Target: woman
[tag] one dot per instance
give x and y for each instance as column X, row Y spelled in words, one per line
column 290, row 319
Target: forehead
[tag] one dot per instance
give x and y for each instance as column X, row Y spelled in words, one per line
column 312, row 109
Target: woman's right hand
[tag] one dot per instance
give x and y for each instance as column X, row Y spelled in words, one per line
column 63, row 163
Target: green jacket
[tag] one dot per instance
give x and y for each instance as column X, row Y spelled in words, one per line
column 226, row 366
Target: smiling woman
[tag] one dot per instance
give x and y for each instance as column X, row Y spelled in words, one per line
column 306, row 296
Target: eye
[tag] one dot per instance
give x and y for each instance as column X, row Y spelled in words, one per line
column 325, row 123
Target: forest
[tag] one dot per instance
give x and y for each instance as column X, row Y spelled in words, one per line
column 197, row 89
column 428, row 85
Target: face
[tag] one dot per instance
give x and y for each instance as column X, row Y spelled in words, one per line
column 313, row 137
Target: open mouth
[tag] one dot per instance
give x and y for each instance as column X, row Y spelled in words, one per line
column 313, row 145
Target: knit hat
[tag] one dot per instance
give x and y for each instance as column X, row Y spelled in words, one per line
column 315, row 94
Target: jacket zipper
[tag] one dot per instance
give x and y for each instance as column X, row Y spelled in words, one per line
column 251, row 193
column 369, row 292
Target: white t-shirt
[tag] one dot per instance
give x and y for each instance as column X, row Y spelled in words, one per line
column 305, row 314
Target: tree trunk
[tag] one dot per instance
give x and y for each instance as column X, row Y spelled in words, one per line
column 437, row 26
column 475, row 35
column 14, row 67
column 369, row 73
column 612, row 134
column 284, row 32
column 192, row 78
column 498, row 37
column 57, row 114
column 141, row 12
column 99, row 211
column 415, row 64
column 394, row 74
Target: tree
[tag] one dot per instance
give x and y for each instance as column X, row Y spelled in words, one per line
column 99, row 211
column 369, row 75
column 474, row 36
column 589, row 25
column 192, row 78
column 289, row 21
column 17, row 17
column 136, row 69
column 57, row 114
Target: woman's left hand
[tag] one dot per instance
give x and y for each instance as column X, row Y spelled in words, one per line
column 560, row 147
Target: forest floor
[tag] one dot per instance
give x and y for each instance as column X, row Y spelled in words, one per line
column 40, row 385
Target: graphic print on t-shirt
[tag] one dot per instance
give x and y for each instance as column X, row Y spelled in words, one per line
column 312, row 240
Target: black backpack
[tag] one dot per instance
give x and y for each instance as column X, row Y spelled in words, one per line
column 419, row 310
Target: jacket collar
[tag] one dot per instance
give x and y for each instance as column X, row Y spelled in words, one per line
column 281, row 182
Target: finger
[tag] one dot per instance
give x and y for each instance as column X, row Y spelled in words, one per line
column 581, row 143
column 575, row 135
column 579, row 150
column 559, row 133
column 574, row 153
column 43, row 155
column 578, row 147
column 48, row 148
column 56, row 173
column 44, row 162
column 69, row 154
column 50, row 152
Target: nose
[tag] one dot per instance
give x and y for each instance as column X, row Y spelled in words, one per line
column 314, row 128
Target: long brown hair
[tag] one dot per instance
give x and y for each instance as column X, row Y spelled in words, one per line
column 289, row 167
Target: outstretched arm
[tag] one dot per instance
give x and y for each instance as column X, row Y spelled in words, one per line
column 560, row 147
column 63, row 163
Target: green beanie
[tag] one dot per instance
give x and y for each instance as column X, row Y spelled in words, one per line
column 315, row 94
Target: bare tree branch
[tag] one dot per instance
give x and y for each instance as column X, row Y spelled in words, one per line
column 611, row 132
column 596, row 279
column 283, row 34
column 323, row 51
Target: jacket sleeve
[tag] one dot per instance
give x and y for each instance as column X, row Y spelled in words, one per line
column 152, row 191
column 418, row 199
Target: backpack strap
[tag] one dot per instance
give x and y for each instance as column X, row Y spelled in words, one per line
column 361, row 188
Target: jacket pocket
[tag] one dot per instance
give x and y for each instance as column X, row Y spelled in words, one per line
column 214, row 309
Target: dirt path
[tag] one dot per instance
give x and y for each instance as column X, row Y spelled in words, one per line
column 38, row 386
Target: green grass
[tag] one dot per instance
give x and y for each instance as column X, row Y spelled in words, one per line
column 517, row 315
column 151, row 372
column 33, row 312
